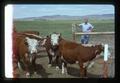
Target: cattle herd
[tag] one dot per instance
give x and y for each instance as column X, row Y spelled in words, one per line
column 26, row 46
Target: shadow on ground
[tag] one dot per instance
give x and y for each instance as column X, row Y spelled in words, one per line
column 76, row 72
column 40, row 71
column 41, row 56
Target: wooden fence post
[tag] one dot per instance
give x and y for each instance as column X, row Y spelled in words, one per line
column 105, row 64
column 73, row 31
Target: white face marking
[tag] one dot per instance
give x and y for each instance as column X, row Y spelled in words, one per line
column 54, row 39
column 32, row 45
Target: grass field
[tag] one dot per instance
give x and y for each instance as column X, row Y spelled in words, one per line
column 45, row 27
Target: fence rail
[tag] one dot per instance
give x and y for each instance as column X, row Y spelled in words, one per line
column 74, row 32
column 95, row 33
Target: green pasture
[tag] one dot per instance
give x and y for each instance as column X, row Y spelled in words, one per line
column 45, row 27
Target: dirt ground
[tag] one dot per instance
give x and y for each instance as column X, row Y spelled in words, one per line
column 96, row 71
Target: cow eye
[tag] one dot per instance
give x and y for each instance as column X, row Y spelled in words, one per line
column 26, row 43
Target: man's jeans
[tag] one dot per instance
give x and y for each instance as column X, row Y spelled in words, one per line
column 84, row 39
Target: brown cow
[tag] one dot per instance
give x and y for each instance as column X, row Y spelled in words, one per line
column 25, row 57
column 70, row 52
column 21, row 52
column 51, row 50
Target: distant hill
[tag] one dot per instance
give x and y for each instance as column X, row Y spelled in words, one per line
column 102, row 16
column 66, row 17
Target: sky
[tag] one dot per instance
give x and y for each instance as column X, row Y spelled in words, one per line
column 26, row 10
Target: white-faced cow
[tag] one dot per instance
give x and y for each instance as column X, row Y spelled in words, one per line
column 51, row 48
column 24, row 50
column 70, row 52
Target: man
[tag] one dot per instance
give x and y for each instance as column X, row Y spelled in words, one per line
column 86, row 28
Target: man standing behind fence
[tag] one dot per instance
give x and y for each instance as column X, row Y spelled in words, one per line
column 86, row 27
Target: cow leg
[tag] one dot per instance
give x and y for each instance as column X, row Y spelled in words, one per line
column 27, row 70
column 50, row 60
column 34, row 65
column 19, row 66
column 57, row 62
column 27, row 74
column 64, row 68
column 82, row 70
column 15, row 66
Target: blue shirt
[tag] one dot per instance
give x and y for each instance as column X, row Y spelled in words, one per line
column 86, row 27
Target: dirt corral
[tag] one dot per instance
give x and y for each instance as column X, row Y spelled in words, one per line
column 96, row 71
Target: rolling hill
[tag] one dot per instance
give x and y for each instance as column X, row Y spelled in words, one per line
column 66, row 17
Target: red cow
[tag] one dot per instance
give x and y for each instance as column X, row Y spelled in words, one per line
column 21, row 51
column 70, row 52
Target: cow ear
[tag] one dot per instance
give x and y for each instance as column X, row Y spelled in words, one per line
column 102, row 44
column 47, row 36
column 60, row 37
column 60, row 34
column 25, row 42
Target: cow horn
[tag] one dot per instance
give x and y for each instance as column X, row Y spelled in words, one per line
column 33, row 36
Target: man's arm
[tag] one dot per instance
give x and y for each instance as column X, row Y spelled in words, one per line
column 90, row 28
column 80, row 26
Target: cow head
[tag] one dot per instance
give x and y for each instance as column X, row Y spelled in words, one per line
column 32, row 47
column 54, row 38
column 99, row 48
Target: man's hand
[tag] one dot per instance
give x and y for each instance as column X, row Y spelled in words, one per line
column 90, row 29
column 77, row 25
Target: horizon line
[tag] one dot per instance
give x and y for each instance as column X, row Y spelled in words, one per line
column 60, row 15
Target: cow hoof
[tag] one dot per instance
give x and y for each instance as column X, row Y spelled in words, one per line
column 27, row 75
column 49, row 65
column 57, row 68
column 35, row 73
column 63, row 72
